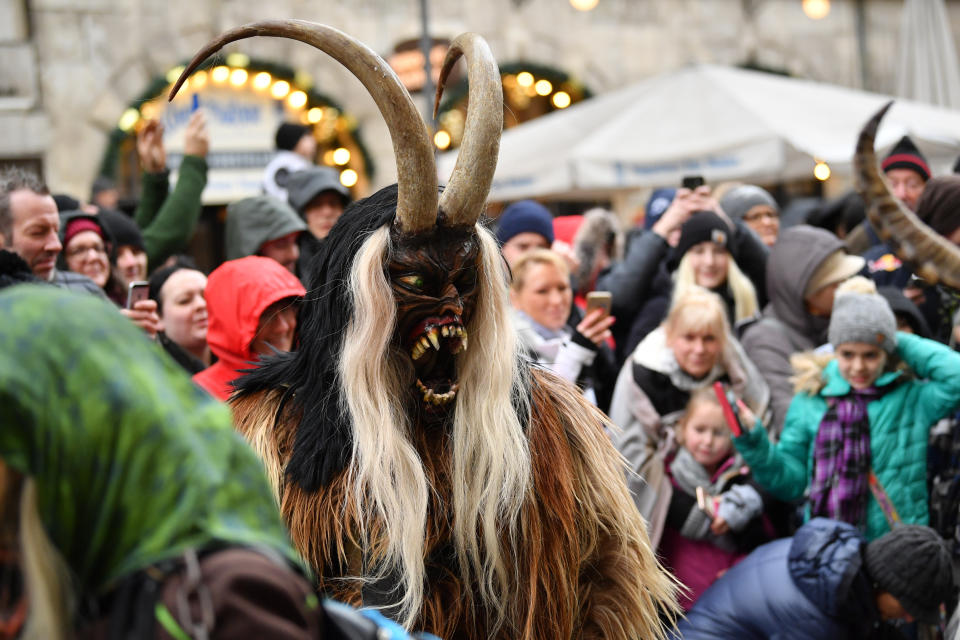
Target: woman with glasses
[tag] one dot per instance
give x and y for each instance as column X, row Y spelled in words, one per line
column 757, row 208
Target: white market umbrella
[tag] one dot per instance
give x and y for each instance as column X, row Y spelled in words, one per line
column 719, row 122
column 928, row 69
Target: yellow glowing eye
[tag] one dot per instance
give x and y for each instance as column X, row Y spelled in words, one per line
column 414, row 281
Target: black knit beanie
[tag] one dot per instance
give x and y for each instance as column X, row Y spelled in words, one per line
column 939, row 206
column 912, row 563
column 124, row 230
column 701, row 226
column 905, row 155
column 289, row 134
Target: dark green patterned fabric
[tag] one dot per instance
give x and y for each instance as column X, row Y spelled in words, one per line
column 133, row 463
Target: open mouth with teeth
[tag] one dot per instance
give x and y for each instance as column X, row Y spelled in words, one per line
column 434, row 345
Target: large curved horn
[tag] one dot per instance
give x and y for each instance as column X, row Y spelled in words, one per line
column 463, row 200
column 416, row 169
column 933, row 257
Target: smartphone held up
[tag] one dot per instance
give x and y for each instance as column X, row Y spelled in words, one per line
column 599, row 300
column 136, row 291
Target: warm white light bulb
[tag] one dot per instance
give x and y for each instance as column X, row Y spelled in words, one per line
column 821, row 171
column 561, row 99
column 816, row 9
column 348, row 177
column 441, row 139
column 584, row 5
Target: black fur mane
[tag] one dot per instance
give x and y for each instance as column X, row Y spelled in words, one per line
column 308, row 376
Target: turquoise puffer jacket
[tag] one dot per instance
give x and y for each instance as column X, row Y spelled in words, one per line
column 900, row 422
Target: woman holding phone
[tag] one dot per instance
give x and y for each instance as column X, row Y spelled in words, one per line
column 541, row 297
column 691, row 350
column 89, row 249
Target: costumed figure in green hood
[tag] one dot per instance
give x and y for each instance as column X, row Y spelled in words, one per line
column 129, row 504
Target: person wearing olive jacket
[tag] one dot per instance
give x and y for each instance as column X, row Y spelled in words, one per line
column 168, row 219
column 859, row 412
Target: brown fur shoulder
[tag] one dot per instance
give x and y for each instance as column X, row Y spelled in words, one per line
column 321, row 523
column 583, row 501
column 255, row 418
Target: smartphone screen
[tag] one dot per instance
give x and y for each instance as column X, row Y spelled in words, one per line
column 729, row 410
column 137, row 290
column 599, row 300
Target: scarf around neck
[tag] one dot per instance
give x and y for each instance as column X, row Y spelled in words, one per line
column 841, row 458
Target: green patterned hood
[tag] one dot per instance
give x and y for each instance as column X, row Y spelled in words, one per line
column 133, row 463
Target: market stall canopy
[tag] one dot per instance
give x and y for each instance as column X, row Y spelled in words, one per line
column 928, row 69
column 720, row 122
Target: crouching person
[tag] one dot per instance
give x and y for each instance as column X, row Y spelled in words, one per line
column 132, row 508
column 828, row 582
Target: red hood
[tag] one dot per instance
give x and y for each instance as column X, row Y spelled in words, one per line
column 237, row 293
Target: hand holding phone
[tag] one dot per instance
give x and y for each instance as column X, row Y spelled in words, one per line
column 136, row 291
column 706, row 502
column 599, row 300
column 596, row 324
column 728, row 403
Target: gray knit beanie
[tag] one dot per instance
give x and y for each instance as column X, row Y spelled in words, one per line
column 912, row 563
column 739, row 200
column 863, row 317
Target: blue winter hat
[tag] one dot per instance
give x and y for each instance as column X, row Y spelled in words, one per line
column 525, row 216
column 659, row 200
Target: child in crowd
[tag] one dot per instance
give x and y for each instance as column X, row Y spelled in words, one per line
column 855, row 437
column 703, row 538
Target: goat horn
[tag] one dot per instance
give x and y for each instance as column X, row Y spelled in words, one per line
column 934, row 258
column 462, row 201
column 416, row 169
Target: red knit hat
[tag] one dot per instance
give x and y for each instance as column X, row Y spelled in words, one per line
column 905, row 155
column 78, row 225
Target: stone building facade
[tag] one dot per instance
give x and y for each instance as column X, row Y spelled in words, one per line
column 71, row 67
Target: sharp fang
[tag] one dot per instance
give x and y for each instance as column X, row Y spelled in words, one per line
column 432, row 336
column 463, row 341
column 424, row 343
column 417, row 352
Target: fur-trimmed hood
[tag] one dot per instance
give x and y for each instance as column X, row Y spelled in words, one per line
column 600, row 231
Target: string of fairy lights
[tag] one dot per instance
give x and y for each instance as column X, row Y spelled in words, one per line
column 529, row 91
column 336, row 132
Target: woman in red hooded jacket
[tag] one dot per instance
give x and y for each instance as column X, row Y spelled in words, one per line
column 252, row 306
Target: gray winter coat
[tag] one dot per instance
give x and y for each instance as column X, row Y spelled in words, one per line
column 785, row 327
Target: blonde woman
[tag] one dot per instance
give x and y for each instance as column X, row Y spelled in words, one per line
column 541, row 297
column 702, row 258
column 692, row 349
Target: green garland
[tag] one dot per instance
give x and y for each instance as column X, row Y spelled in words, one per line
column 111, row 157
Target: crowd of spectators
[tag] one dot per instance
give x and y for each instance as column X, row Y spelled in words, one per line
column 841, row 360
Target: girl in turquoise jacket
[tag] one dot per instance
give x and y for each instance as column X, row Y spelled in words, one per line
column 859, row 412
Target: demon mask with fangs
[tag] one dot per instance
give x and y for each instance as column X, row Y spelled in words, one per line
column 434, row 281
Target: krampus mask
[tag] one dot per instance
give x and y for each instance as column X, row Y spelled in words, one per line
column 432, row 257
